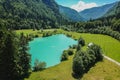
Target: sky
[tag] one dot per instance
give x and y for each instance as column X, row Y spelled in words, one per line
column 80, row 5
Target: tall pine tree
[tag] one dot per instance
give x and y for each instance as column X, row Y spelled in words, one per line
column 24, row 56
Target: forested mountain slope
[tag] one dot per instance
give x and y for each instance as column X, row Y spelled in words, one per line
column 114, row 10
column 21, row 14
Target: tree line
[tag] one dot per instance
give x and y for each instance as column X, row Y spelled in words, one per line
column 107, row 25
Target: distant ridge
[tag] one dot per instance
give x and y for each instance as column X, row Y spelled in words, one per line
column 96, row 12
column 114, row 10
column 70, row 13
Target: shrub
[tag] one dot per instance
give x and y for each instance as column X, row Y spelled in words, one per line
column 30, row 37
column 78, row 47
column 91, row 57
column 78, row 64
column 36, row 36
column 70, row 52
column 55, row 31
column 64, row 56
column 46, row 34
column 97, row 52
column 38, row 66
column 81, row 41
column 68, row 35
column 74, row 46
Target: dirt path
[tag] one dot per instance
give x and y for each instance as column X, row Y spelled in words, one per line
column 112, row 60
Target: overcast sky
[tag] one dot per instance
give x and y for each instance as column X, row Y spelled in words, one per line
column 80, row 5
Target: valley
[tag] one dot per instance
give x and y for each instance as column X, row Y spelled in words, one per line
column 59, row 40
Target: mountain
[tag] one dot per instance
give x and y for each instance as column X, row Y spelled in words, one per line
column 96, row 12
column 22, row 14
column 70, row 13
column 114, row 10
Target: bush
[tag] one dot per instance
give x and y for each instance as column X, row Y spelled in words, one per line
column 70, row 52
column 73, row 46
column 38, row 66
column 46, row 34
column 81, row 41
column 78, row 47
column 64, row 56
column 97, row 52
column 78, row 64
column 91, row 57
column 55, row 31
column 36, row 36
column 68, row 35
column 30, row 37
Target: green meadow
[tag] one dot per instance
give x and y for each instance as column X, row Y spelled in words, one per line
column 105, row 70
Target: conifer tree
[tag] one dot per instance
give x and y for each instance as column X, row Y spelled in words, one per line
column 8, row 53
column 24, row 56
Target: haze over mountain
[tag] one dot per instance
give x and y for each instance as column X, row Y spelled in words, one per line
column 96, row 12
column 70, row 13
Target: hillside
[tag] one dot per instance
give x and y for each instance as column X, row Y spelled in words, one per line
column 22, row 14
column 114, row 10
column 112, row 18
column 96, row 12
column 70, row 13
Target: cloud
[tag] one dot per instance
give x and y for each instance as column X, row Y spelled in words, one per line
column 82, row 6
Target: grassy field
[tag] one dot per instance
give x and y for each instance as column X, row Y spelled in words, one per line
column 30, row 31
column 105, row 70
column 36, row 32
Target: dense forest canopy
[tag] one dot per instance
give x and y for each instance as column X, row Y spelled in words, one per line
column 23, row 14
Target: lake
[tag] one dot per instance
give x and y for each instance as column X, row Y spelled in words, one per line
column 49, row 49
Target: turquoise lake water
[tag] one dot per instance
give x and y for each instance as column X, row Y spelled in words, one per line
column 49, row 49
